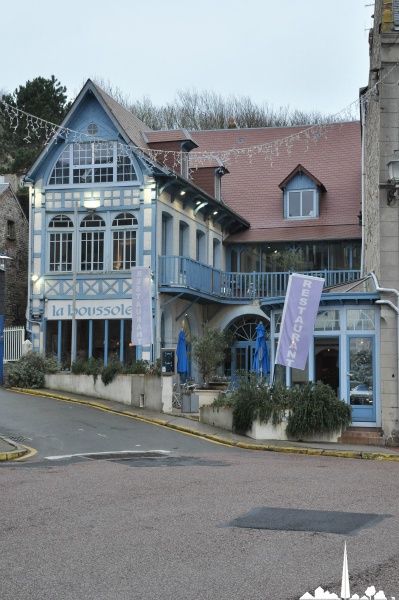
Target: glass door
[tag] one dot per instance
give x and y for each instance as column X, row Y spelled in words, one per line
column 361, row 378
column 244, row 356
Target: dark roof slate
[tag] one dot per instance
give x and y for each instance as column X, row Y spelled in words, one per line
column 251, row 188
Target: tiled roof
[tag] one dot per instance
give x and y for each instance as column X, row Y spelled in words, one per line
column 252, row 186
column 173, row 135
column 3, row 187
column 129, row 123
column 297, row 230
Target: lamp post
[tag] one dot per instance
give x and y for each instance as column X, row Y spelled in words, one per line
column 393, row 174
column 75, row 268
column 90, row 204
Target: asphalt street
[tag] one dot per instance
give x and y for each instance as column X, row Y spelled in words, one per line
column 203, row 522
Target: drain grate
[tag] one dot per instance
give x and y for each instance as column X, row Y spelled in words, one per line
column 19, row 439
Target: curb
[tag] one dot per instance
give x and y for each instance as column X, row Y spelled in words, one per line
column 381, row 456
column 12, row 454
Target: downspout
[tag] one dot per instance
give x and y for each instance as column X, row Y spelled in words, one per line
column 30, row 185
column 395, row 308
column 363, row 114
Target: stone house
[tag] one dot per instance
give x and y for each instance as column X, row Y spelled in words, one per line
column 380, row 140
column 14, row 242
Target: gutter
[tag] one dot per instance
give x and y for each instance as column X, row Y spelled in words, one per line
column 395, row 308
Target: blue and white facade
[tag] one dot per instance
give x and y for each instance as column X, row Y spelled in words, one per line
column 102, row 202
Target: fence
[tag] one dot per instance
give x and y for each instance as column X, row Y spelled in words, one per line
column 13, row 340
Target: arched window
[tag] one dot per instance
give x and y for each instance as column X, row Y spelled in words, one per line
column 60, row 242
column 92, row 243
column 124, row 232
column 93, row 162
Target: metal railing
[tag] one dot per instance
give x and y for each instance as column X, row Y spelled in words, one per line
column 13, row 340
column 181, row 272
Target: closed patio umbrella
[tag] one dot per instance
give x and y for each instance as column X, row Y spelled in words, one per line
column 261, row 363
column 181, row 353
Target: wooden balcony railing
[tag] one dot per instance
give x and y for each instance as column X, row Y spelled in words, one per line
column 185, row 273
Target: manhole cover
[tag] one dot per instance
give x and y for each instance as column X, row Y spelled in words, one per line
column 291, row 519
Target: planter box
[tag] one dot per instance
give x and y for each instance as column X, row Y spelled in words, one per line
column 189, row 403
column 222, row 416
column 142, row 391
column 206, row 397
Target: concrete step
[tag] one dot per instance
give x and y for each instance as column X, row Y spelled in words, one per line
column 370, row 436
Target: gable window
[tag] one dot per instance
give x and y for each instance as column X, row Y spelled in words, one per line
column 92, row 243
column 124, row 241
column 60, row 243
column 93, row 162
column 301, row 204
column 11, row 230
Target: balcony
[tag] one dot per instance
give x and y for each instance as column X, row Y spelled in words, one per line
column 180, row 275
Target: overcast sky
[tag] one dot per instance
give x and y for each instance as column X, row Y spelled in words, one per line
column 308, row 54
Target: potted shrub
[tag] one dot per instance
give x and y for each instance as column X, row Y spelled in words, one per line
column 208, row 352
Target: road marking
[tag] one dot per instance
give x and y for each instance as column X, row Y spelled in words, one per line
column 120, row 453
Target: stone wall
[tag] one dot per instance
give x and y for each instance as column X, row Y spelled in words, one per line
column 16, row 247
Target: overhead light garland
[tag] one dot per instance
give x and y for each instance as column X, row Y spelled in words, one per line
column 270, row 150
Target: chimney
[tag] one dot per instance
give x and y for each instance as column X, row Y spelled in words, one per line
column 232, row 124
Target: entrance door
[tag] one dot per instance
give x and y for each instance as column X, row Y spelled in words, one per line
column 361, row 377
column 326, row 352
column 244, row 356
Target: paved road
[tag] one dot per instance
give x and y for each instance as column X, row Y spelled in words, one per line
column 56, row 428
column 198, row 525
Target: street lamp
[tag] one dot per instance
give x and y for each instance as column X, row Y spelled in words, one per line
column 393, row 173
column 90, row 204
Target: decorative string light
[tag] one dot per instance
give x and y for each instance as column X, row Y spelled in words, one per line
column 269, row 150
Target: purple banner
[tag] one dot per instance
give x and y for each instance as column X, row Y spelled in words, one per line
column 141, row 307
column 299, row 316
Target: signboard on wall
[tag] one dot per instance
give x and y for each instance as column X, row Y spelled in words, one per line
column 168, row 360
column 109, row 308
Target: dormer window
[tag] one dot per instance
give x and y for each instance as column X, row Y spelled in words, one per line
column 301, row 194
column 301, row 204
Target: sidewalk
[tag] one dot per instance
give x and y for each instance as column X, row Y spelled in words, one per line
column 188, row 423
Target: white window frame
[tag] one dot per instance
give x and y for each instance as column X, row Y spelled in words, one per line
column 60, row 239
column 98, row 163
column 92, row 243
column 301, row 216
column 124, row 237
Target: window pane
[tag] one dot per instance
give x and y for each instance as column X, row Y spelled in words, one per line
column 360, row 319
column 60, row 252
column 308, row 204
column 83, row 175
column 328, row 320
column 361, row 371
column 294, row 204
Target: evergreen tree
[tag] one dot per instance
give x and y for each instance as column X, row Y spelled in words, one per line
column 21, row 142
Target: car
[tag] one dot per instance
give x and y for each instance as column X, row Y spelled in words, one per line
column 361, row 394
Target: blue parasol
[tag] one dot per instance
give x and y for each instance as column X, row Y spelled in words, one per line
column 261, row 362
column 181, row 353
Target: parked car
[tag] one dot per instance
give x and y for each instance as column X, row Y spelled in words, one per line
column 361, row 394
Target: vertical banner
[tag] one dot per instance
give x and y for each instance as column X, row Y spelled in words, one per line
column 299, row 316
column 141, row 307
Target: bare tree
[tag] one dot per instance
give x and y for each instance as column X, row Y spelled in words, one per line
column 194, row 110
